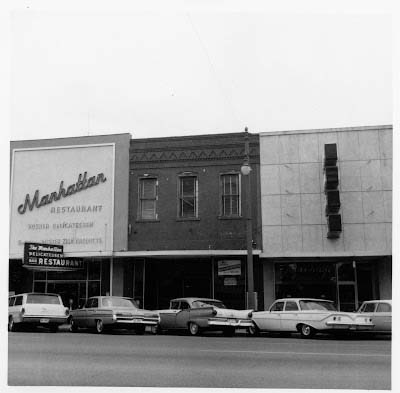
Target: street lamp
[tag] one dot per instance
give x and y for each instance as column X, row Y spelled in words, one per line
column 251, row 296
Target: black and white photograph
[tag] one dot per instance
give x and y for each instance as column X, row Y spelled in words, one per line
column 200, row 196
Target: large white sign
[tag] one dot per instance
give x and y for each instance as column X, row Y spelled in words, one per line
column 63, row 195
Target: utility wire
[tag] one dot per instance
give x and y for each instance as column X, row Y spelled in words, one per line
column 225, row 95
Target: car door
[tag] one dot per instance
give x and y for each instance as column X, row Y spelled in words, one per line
column 11, row 301
column 168, row 317
column 271, row 320
column 92, row 312
column 289, row 316
column 182, row 317
column 382, row 319
column 17, row 307
column 82, row 315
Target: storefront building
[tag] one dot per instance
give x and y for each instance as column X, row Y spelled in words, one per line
column 326, row 202
column 70, row 192
column 187, row 231
column 152, row 219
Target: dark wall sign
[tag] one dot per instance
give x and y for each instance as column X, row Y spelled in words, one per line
column 49, row 256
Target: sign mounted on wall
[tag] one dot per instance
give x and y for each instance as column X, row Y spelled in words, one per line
column 48, row 257
column 63, row 196
column 229, row 267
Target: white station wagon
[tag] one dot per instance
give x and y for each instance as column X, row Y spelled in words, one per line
column 36, row 309
column 307, row 316
column 380, row 311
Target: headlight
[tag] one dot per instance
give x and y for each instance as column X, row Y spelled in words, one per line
column 114, row 317
column 66, row 312
column 250, row 314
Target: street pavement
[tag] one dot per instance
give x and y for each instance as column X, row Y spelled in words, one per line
column 125, row 359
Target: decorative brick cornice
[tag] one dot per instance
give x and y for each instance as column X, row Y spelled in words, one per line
column 203, row 153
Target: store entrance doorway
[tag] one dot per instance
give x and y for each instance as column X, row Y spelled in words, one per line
column 166, row 280
column 73, row 294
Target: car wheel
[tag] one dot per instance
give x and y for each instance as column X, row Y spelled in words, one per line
column 194, row 329
column 253, row 331
column 229, row 332
column 99, row 326
column 307, row 331
column 140, row 330
column 72, row 326
column 11, row 325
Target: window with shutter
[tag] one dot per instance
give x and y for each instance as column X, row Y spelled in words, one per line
column 148, row 199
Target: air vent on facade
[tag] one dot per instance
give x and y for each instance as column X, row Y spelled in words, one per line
column 334, row 226
column 332, row 201
column 330, row 154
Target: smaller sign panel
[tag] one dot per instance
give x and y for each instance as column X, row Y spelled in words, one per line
column 230, row 281
column 229, row 268
column 48, row 256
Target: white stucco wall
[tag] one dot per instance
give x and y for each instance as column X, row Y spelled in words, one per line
column 293, row 198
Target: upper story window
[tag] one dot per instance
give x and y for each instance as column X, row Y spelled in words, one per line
column 230, row 195
column 147, row 199
column 188, row 196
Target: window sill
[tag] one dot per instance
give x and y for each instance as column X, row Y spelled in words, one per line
column 188, row 219
column 140, row 220
column 230, row 218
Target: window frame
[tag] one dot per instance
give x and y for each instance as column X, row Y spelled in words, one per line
column 195, row 196
column 291, row 302
column 141, row 179
column 222, row 210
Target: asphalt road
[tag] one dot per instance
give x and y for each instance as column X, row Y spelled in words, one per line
column 125, row 359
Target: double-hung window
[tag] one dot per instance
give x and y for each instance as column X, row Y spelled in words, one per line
column 187, row 197
column 148, row 199
column 230, row 195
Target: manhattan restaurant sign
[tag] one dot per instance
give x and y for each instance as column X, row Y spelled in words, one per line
column 49, row 257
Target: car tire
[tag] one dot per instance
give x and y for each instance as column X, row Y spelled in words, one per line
column 194, row 329
column 11, row 325
column 306, row 331
column 229, row 332
column 140, row 330
column 72, row 326
column 253, row 331
column 99, row 326
column 53, row 328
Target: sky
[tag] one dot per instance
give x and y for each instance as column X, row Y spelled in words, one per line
column 184, row 70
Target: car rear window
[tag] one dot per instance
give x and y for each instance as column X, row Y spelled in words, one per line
column 117, row 302
column 384, row 307
column 316, row 305
column 207, row 303
column 42, row 299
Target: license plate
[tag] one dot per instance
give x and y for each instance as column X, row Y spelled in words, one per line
column 44, row 321
column 136, row 320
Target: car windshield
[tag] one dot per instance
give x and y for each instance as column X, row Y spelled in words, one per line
column 206, row 303
column 316, row 305
column 117, row 302
column 42, row 299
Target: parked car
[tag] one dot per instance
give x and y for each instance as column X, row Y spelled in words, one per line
column 36, row 309
column 112, row 312
column 380, row 311
column 200, row 314
column 307, row 316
